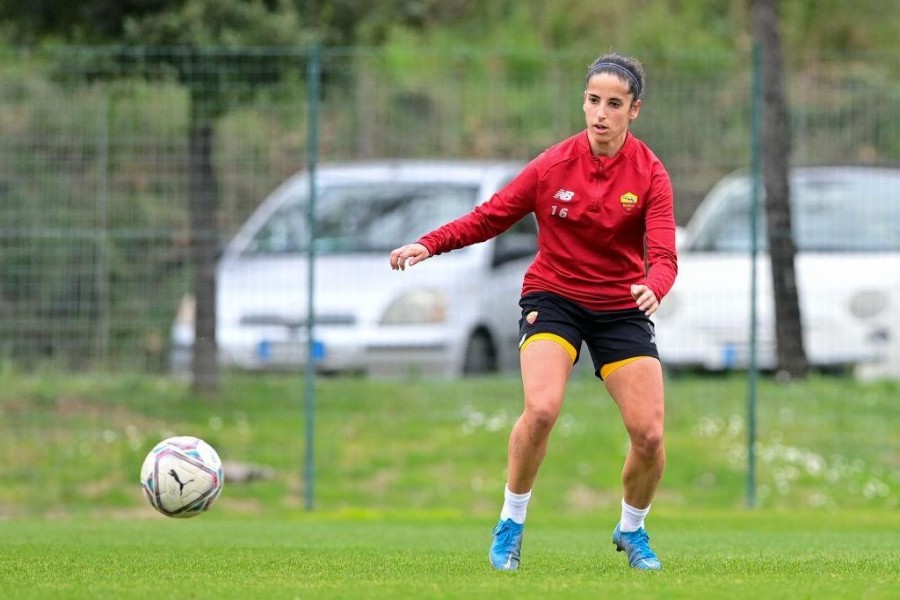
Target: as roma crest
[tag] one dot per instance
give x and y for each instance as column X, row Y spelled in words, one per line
column 628, row 201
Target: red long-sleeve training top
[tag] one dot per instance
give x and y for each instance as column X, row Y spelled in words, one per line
column 601, row 222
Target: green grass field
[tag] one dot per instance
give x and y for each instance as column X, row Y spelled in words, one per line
column 707, row 555
column 409, row 478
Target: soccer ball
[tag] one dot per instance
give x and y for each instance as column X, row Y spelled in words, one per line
column 182, row 476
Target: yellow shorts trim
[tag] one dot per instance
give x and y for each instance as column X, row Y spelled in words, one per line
column 569, row 348
column 608, row 369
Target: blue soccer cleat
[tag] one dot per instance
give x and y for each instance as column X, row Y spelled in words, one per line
column 636, row 544
column 507, row 545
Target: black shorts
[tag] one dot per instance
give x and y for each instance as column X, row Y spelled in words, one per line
column 610, row 336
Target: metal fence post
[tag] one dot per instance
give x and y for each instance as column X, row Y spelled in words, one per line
column 101, row 266
column 314, row 72
column 753, row 369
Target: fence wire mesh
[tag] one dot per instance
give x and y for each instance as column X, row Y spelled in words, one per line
column 103, row 149
column 95, row 156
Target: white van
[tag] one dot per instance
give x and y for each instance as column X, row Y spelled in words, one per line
column 453, row 315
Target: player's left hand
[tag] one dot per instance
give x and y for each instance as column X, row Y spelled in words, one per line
column 645, row 299
column 408, row 255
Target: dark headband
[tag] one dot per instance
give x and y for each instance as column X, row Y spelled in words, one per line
column 625, row 70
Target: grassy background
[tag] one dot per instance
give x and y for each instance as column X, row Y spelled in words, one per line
column 74, row 444
column 408, row 484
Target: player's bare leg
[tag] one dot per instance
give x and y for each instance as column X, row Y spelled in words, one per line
column 637, row 389
column 545, row 370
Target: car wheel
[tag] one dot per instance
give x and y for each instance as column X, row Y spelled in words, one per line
column 481, row 356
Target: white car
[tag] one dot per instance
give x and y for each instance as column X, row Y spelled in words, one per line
column 846, row 225
column 452, row 315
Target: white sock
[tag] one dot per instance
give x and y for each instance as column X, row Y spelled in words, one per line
column 515, row 506
column 632, row 518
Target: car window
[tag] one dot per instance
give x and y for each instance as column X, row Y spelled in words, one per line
column 830, row 213
column 519, row 241
column 851, row 214
column 363, row 217
column 727, row 229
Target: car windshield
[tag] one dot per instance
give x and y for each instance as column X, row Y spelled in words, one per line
column 830, row 213
column 363, row 217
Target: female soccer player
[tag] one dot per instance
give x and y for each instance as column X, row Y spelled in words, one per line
column 606, row 257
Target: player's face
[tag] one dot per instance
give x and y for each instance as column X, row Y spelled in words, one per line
column 608, row 110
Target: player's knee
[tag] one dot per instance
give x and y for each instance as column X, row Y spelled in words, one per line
column 541, row 417
column 648, row 442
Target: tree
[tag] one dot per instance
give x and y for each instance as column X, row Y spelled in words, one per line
column 775, row 165
column 81, row 22
column 201, row 32
column 196, row 42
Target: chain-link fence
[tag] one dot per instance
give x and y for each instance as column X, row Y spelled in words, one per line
column 100, row 148
column 115, row 162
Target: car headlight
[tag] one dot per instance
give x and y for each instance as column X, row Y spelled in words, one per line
column 415, row 307
column 868, row 304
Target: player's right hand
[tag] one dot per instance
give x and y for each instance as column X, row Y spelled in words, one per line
column 408, row 255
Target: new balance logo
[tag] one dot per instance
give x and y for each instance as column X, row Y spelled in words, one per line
column 564, row 195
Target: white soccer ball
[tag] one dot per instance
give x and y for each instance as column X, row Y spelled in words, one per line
column 182, row 476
